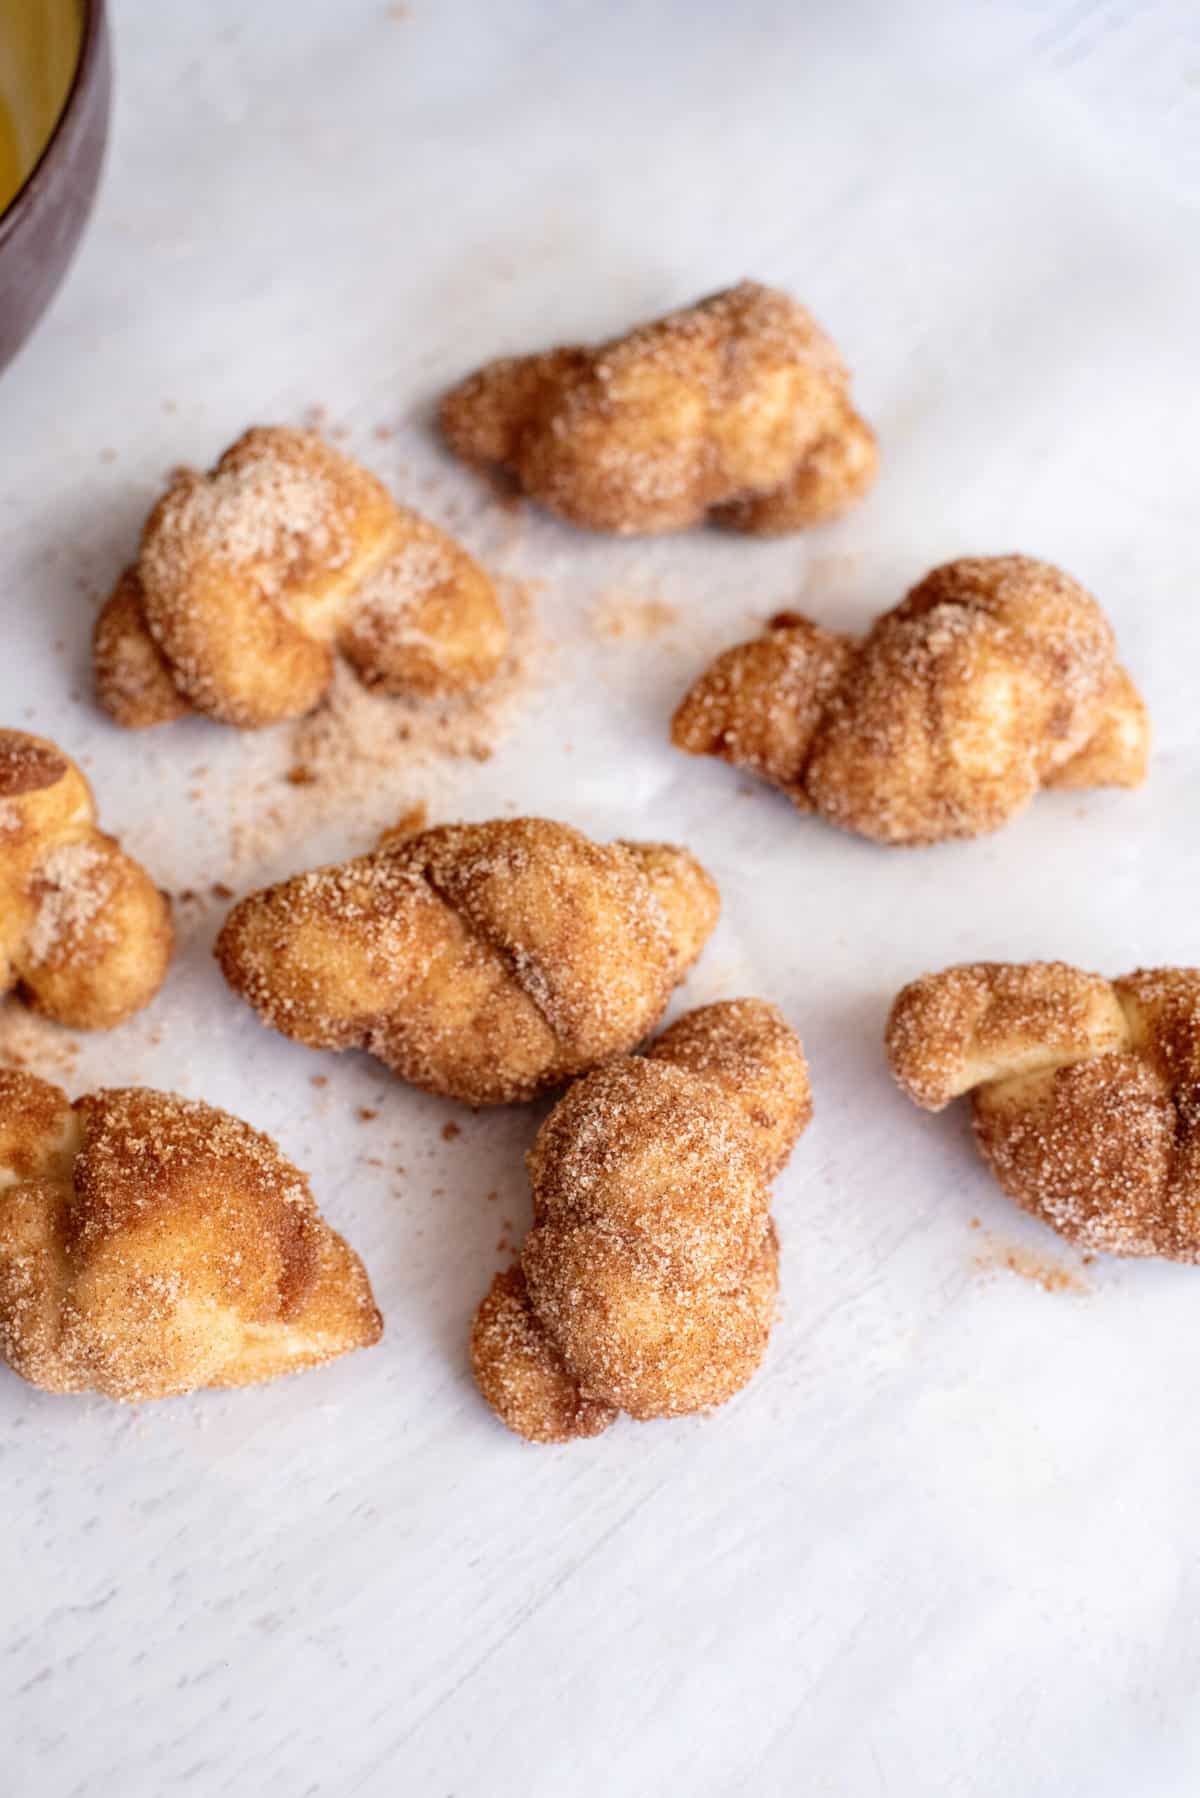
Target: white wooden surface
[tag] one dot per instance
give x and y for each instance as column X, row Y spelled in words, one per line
column 946, row 1543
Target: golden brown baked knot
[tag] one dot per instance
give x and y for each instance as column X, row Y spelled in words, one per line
column 736, row 406
column 648, row 1281
column 85, row 935
column 481, row 961
column 150, row 1245
column 994, row 677
column 1084, row 1092
column 250, row 577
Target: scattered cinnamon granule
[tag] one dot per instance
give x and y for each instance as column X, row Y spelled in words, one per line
column 625, row 618
column 354, row 733
column 33, row 1042
column 219, row 890
column 824, row 572
column 366, row 1115
column 450, row 1130
column 318, row 1080
column 358, row 743
column 1051, row 1276
column 492, row 1197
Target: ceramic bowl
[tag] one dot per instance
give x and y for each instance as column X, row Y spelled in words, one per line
column 41, row 226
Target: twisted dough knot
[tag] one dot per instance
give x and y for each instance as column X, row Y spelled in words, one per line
column 249, row 577
column 648, row 1281
column 480, row 961
column 150, row 1245
column 737, row 405
column 85, row 935
column 1086, row 1092
column 994, row 677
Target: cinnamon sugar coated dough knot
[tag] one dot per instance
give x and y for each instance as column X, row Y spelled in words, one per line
column 648, row 1283
column 151, row 1245
column 85, row 935
column 1084, row 1092
column 736, row 407
column 484, row 962
column 996, row 676
column 249, row 578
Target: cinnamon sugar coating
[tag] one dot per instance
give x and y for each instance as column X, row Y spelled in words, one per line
column 1083, row 1091
column 736, row 407
column 249, row 578
column 995, row 676
column 648, row 1282
column 85, row 935
column 151, row 1245
column 481, row 961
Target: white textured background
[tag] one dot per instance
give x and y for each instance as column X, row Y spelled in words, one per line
column 946, row 1543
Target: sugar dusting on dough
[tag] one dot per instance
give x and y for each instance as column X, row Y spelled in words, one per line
column 72, row 886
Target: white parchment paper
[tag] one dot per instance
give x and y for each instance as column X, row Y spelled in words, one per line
column 946, row 1542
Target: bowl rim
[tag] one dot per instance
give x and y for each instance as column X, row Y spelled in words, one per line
column 25, row 196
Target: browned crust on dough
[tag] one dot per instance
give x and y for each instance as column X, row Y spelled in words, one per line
column 735, row 406
column 85, row 935
column 1083, row 1092
column 133, row 678
column 250, row 577
column 522, row 1375
column 994, row 677
column 150, row 1245
column 485, row 962
column 830, row 479
column 648, row 1281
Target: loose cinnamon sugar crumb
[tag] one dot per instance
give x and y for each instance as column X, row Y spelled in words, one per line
column 366, row 1115
column 219, row 890
column 1051, row 1276
column 358, row 743
column 318, row 1080
column 450, row 1130
column 355, row 735
column 33, row 1042
column 620, row 617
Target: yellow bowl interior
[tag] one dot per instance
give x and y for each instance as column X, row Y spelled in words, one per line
column 39, row 52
